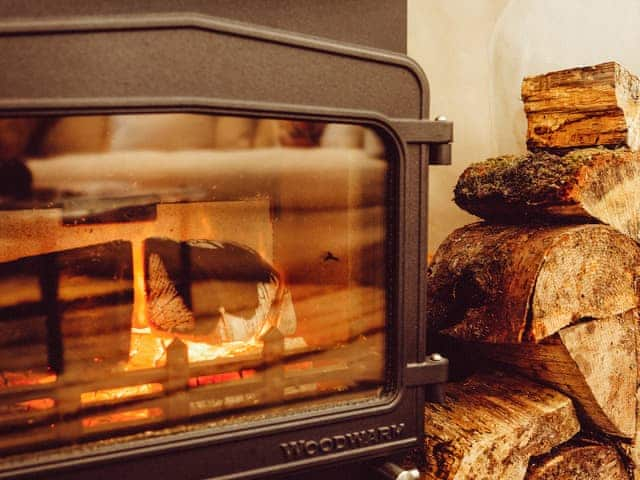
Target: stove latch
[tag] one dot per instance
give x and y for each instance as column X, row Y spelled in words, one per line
column 437, row 134
column 433, row 372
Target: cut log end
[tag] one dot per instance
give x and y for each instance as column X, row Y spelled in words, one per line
column 593, row 362
column 508, row 284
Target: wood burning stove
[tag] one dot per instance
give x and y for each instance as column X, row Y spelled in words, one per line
column 213, row 245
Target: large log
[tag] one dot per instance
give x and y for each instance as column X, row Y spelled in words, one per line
column 508, row 284
column 579, row 459
column 490, row 425
column 594, row 362
column 213, row 291
column 585, row 185
column 578, row 107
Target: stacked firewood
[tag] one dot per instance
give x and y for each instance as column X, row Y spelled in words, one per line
column 544, row 294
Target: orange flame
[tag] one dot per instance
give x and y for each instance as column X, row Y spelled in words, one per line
column 139, row 319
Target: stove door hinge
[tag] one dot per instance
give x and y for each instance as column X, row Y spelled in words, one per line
column 438, row 134
column 432, row 373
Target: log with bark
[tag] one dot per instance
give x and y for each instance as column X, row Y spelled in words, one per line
column 590, row 185
column 594, row 362
column 586, row 106
column 508, row 284
column 580, row 459
column 490, row 425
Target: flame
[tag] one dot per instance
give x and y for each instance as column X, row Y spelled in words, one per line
column 147, row 350
column 139, row 319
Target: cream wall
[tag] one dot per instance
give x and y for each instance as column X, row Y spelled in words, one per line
column 475, row 53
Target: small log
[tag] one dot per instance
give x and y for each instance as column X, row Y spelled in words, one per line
column 591, row 185
column 593, row 362
column 508, row 284
column 579, row 459
column 490, row 425
column 213, row 291
column 578, row 107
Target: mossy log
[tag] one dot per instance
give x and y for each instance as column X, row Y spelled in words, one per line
column 579, row 459
column 592, row 185
column 508, row 284
column 594, row 362
column 579, row 107
column 490, row 425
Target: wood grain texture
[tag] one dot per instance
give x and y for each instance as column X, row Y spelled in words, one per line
column 508, row 284
column 631, row 449
column 593, row 362
column 579, row 107
column 580, row 460
column 490, row 425
column 586, row 185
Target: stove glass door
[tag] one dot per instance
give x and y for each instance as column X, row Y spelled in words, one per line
column 170, row 271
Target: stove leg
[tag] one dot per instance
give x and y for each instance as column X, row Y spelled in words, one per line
column 391, row 471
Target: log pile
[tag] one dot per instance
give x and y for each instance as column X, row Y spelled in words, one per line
column 538, row 305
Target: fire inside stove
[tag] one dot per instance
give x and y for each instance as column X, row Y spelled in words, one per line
column 166, row 270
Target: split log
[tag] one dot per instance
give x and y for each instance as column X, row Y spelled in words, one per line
column 508, row 284
column 631, row 450
column 594, row 362
column 584, row 185
column 490, row 425
column 68, row 310
column 581, row 460
column 579, row 107
column 213, row 291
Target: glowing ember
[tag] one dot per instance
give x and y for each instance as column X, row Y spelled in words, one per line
column 129, row 416
column 120, row 393
column 38, row 404
column 29, row 377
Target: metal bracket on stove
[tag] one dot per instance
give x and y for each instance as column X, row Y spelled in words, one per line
column 433, row 372
column 438, row 134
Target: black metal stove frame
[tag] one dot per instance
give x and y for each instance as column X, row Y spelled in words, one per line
column 190, row 62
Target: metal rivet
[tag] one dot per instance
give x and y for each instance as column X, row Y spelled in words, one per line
column 436, row 357
column 441, row 118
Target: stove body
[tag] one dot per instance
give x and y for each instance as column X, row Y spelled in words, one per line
column 213, row 239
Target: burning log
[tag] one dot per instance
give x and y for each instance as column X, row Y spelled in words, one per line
column 213, row 292
column 490, row 425
column 579, row 459
column 67, row 310
column 579, row 107
column 509, row 284
column 594, row 362
column 587, row 185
